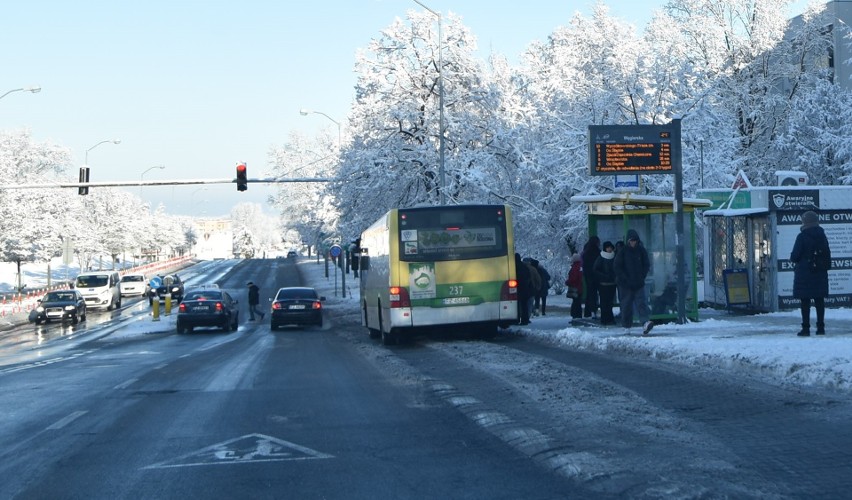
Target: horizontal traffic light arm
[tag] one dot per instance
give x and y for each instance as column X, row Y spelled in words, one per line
column 183, row 182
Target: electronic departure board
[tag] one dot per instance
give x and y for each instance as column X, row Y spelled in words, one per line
column 631, row 149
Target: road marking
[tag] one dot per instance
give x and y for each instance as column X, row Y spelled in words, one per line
column 161, row 366
column 67, row 420
column 251, row 448
column 125, row 384
column 44, row 362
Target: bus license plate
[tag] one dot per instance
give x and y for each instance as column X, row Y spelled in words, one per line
column 452, row 301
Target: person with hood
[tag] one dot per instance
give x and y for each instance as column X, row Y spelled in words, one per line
column 812, row 257
column 632, row 265
column 522, row 273
column 535, row 285
column 541, row 298
column 574, row 282
column 604, row 270
column 591, row 252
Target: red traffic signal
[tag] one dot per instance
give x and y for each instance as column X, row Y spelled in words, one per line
column 242, row 177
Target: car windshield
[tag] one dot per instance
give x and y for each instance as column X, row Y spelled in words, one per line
column 92, row 281
column 296, row 293
column 58, row 296
column 204, row 295
column 132, row 277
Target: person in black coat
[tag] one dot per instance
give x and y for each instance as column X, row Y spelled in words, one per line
column 605, row 274
column 632, row 265
column 810, row 281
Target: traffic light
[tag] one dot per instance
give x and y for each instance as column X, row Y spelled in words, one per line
column 84, row 177
column 242, row 177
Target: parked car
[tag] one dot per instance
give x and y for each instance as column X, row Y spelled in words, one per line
column 134, row 284
column 207, row 306
column 164, row 285
column 60, row 305
column 292, row 254
column 296, row 306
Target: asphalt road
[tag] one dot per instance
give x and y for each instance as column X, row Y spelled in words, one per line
column 249, row 414
column 330, row 413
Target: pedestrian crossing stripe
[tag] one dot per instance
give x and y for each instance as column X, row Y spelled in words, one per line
column 251, row 448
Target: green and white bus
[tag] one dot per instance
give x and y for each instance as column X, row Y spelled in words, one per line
column 438, row 266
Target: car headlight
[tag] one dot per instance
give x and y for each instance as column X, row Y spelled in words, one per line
column 40, row 309
column 175, row 290
column 70, row 308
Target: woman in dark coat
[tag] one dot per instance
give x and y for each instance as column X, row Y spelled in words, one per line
column 524, row 292
column 810, row 282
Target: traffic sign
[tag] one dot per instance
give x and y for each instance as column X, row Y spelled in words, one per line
column 335, row 251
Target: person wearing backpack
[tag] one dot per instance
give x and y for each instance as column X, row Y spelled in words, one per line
column 812, row 257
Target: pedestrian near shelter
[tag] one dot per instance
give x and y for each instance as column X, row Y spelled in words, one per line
column 749, row 234
column 612, row 215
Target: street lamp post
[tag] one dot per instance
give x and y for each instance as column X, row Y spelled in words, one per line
column 142, row 177
column 114, row 141
column 440, row 100
column 306, row 112
column 35, row 90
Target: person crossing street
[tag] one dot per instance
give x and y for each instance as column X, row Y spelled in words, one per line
column 254, row 300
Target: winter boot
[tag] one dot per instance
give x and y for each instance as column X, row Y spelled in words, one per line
column 805, row 331
column 820, row 329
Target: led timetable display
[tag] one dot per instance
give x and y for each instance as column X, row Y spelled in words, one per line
column 630, row 149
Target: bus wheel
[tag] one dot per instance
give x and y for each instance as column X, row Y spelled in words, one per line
column 487, row 332
column 374, row 334
column 388, row 338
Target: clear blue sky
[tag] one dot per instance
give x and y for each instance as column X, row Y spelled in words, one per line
column 200, row 85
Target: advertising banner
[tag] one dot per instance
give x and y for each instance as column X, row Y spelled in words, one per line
column 838, row 229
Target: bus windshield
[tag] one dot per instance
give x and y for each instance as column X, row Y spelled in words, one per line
column 452, row 233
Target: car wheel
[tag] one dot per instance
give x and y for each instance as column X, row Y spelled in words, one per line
column 83, row 317
column 38, row 321
column 118, row 304
column 74, row 319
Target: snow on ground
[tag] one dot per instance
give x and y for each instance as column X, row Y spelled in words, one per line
column 763, row 345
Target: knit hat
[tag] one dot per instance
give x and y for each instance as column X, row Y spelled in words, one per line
column 607, row 244
column 632, row 235
column 809, row 219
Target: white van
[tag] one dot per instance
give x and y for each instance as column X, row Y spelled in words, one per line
column 100, row 289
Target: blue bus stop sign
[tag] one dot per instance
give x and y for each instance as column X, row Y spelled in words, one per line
column 335, row 251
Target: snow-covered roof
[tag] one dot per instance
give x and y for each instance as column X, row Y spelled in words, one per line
column 735, row 212
column 628, row 197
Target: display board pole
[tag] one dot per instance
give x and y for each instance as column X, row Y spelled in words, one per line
column 680, row 252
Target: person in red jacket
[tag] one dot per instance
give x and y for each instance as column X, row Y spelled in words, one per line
column 575, row 285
